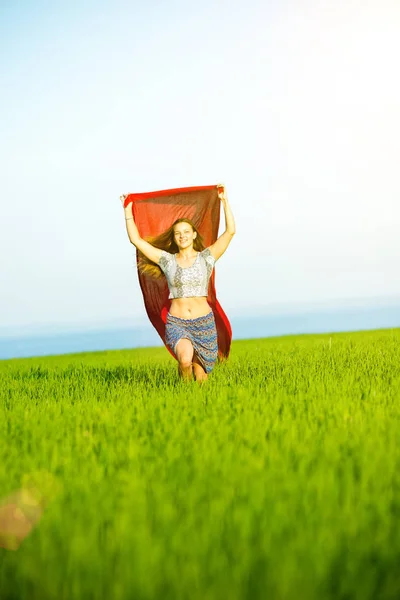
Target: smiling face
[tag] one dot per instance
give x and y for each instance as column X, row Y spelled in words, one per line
column 184, row 235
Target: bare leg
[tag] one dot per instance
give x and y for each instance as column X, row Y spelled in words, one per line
column 198, row 370
column 184, row 353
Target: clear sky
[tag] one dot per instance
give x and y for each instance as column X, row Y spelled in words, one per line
column 294, row 105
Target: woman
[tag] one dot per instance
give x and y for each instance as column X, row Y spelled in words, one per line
column 179, row 255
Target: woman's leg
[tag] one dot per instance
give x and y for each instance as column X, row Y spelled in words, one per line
column 198, row 370
column 184, row 354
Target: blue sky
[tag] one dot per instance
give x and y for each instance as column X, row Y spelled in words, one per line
column 294, row 105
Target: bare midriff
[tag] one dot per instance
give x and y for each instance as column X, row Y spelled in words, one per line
column 190, row 308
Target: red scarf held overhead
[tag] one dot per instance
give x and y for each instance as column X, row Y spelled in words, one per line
column 154, row 212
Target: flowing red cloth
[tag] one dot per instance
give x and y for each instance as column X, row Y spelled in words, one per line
column 154, row 212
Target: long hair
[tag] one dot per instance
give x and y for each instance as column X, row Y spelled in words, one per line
column 165, row 241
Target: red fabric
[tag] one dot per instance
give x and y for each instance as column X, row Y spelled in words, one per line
column 154, row 212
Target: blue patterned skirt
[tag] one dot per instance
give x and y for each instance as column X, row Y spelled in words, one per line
column 202, row 332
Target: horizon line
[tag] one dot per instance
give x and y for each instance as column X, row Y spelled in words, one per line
column 135, row 322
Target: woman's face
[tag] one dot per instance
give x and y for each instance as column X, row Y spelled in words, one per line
column 184, row 235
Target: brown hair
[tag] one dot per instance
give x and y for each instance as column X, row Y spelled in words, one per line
column 165, row 241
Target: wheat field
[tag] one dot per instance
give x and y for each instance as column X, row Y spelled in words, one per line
column 279, row 478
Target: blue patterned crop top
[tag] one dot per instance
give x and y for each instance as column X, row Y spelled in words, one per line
column 186, row 282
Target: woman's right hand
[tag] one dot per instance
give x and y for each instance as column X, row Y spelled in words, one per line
column 122, row 198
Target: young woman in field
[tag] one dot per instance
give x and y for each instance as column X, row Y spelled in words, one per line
column 179, row 255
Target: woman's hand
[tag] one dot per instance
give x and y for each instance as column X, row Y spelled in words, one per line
column 221, row 192
column 128, row 208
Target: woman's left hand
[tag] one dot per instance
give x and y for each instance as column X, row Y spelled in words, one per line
column 221, row 192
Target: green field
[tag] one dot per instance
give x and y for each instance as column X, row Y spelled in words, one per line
column 278, row 479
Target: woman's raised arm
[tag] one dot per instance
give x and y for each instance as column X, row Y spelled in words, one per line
column 150, row 252
column 218, row 248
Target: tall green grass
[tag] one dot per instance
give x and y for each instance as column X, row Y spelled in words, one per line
column 279, row 478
